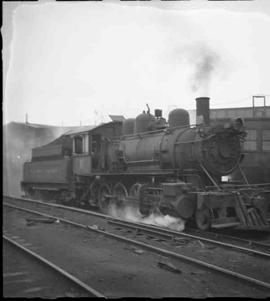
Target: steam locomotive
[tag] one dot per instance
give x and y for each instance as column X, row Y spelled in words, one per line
column 170, row 167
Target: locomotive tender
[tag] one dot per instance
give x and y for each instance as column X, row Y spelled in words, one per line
column 171, row 167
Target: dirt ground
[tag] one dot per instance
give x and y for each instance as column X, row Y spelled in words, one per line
column 118, row 269
column 25, row 277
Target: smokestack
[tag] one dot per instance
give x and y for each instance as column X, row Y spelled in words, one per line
column 26, row 118
column 202, row 110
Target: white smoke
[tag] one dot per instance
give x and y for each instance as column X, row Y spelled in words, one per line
column 166, row 221
column 18, row 141
column 131, row 213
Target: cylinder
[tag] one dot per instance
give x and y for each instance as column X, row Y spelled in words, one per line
column 185, row 206
column 202, row 110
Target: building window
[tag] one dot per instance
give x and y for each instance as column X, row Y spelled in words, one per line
column 78, row 145
column 251, row 141
column 266, row 140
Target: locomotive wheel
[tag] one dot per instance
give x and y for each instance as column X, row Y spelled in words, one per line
column 145, row 210
column 120, row 191
column 94, row 193
column 103, row 200
column 203, row 219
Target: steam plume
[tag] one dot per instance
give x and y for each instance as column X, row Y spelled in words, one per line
column 18, row 141
column 132, row 213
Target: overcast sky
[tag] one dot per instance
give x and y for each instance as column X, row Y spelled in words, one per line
column 66, row 62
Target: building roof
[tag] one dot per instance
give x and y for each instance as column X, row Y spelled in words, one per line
column 41, row 126
column 80, row 129
column 84, row 129
column 229, row 113
column 117, row 117
column 32, row 125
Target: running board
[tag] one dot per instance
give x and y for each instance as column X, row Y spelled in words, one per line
column 226, row 225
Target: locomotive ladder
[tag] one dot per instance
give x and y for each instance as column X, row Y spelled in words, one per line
column 249, row 217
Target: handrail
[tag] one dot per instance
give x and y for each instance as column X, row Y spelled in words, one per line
column 213, row 181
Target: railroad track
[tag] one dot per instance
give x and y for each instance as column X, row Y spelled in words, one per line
column 30, row 259
column 226, row 241
column 173, row 235
column 147, row 246
column 225, row 237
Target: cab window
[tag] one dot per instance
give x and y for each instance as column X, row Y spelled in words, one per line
column 78, row 145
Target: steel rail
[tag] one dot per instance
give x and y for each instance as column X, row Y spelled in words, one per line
column 157, row 250
column 231, row 237
column 56, row 206
column 170, row 232
column 160, row 231
column 83, row 286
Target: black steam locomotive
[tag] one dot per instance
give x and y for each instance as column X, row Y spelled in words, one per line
column 170, row 167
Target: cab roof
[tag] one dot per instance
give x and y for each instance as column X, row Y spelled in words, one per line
column 90, row 128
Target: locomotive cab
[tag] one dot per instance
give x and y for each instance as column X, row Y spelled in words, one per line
column 90, row 148
column 80, row 155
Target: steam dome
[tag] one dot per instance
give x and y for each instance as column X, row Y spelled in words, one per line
column 178, row 117
column 144, row 123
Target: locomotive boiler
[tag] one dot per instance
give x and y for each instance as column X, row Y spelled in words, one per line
column 181, row 147
column 171, row 167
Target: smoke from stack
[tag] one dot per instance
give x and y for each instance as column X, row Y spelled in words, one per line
column 205, row 63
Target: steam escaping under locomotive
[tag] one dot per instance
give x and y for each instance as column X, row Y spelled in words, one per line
column 167, row 166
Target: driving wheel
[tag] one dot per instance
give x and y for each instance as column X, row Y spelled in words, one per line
column 104, row 197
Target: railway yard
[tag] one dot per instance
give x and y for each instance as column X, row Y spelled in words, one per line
column 52, row 250
column 139, row 208
column 136, row 149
